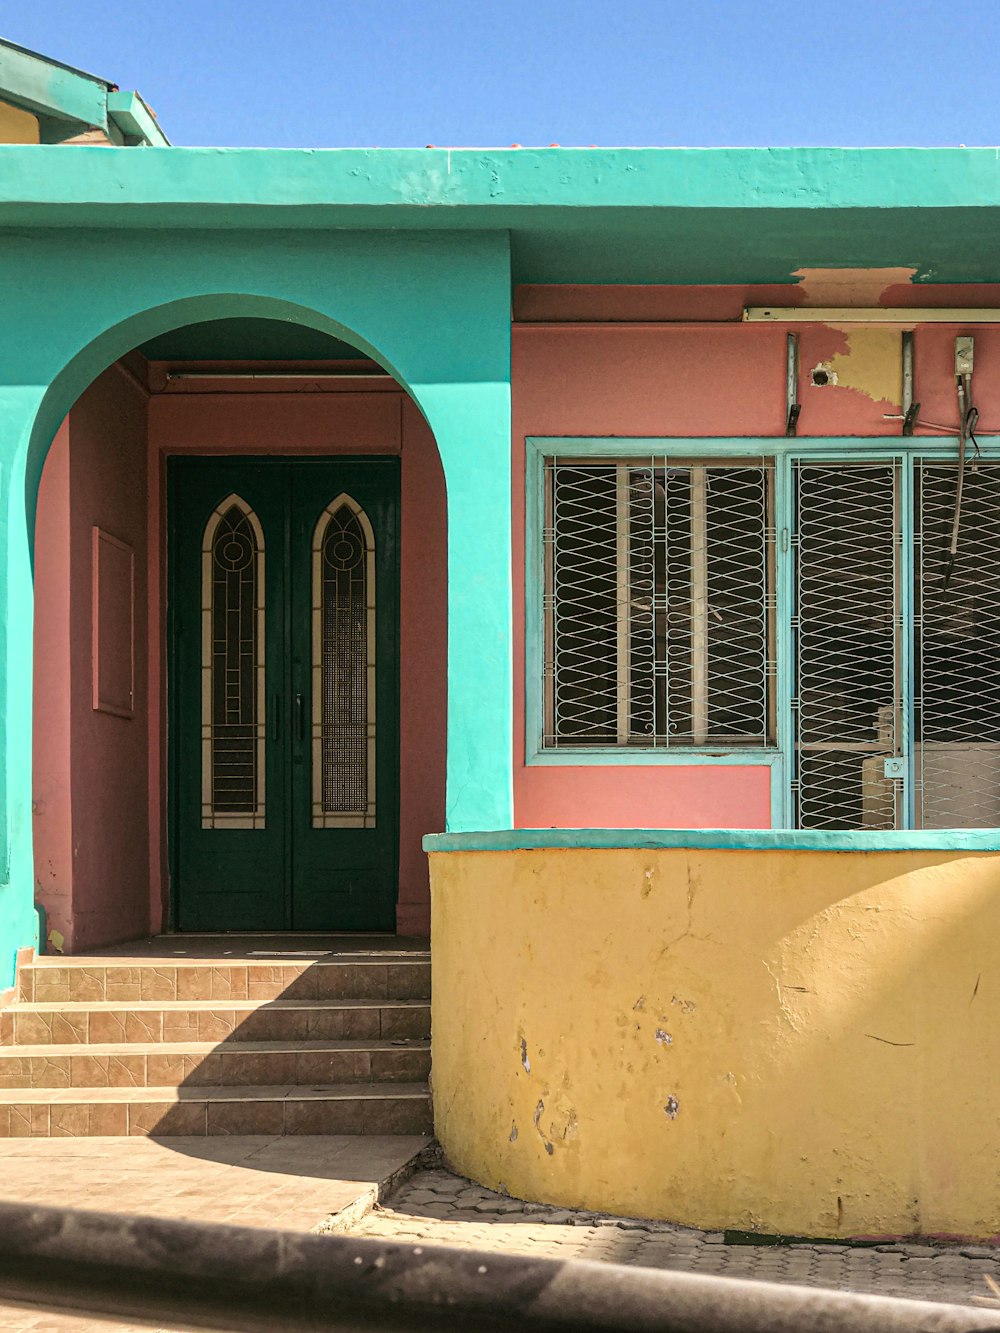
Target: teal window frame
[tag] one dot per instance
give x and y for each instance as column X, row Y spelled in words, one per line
column 784, row 452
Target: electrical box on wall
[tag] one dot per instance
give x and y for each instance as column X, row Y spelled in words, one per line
column 964, row 351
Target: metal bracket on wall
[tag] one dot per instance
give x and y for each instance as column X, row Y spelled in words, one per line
column 792, row 405
column 911, row 410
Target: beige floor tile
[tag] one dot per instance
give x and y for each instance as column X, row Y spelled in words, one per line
column 209, row 1180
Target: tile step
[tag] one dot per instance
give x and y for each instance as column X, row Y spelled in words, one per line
column 96, row 1021
column 231, row 1064
column 353, row 976
column 391, row 1108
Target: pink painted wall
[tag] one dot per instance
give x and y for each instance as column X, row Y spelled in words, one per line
column 91, row 826
column 243, row 418
column 576, row 373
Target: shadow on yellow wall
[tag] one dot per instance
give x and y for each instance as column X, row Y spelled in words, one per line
column 798, row 1042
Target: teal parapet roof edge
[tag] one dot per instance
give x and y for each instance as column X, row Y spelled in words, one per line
column 495, row 179
column 573, row 215
column 791, row 840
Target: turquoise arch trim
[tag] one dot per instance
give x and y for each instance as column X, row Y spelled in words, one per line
column 433, row 310
column 789, row 840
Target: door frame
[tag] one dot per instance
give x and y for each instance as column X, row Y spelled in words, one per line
column 173, row 462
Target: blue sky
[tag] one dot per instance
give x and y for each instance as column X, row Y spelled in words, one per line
column 320, row 73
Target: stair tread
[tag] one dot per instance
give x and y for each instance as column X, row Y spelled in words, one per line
column 84, row 962
column 291, row 1045
column 205, row 1006
column 196, row 1093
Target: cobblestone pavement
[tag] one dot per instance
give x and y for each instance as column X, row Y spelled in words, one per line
column 436, row 1207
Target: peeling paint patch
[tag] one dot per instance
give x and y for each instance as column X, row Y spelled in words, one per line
column 524, row 1057
column 664, row 1038
column 513, row 1133
column 640, row 1004
column 672, row 1108
column 872, row 364
column 537, row 1118
column 687, row 1006
column 56, row 941
column 850, row 286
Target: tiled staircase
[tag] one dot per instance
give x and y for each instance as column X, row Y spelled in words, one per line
column 215, row 1045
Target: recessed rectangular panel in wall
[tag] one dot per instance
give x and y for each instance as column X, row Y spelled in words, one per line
column 113, row 625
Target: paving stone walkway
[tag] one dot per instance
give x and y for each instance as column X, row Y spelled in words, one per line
column 438, row 1208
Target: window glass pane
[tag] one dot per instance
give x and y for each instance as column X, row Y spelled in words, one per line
column 343, row 668
column 233, row 725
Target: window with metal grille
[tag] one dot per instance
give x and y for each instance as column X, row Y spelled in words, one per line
column 896, row 674
column 956, row 702
column 659, row 626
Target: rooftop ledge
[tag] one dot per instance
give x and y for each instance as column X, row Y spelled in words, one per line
column 492, row 180
column 791, row 840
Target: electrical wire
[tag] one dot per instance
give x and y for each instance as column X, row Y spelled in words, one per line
column 969, row 419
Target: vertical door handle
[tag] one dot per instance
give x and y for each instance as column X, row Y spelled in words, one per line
column 275, row 718
column 300, row 718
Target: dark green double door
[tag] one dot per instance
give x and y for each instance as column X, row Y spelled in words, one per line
column 283, row 693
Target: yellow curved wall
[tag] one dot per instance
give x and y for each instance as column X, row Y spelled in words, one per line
column 17, row 126
column 799, row 1042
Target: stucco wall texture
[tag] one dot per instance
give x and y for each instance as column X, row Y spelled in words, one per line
column 788, row 1042
column 581, row 368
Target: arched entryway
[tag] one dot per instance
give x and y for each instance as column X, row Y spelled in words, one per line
column 433, row 310
column 206, row 755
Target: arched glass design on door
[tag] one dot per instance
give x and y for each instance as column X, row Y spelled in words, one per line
column 233, row 722
column 343, row 668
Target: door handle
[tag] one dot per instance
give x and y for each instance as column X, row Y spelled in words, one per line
column 300, row 718
column 275, row 718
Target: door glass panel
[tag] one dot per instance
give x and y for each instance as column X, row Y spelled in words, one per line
column 847, row 702
column 232, row 668
column 343, row 668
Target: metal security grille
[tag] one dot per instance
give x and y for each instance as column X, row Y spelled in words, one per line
column 343, row 668
column 957, row 703
column 233, row 668
column 658, row 609
column 847, row 633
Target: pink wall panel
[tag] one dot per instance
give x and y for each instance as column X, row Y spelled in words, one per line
column 91, row 828
column 699, row 379
column 110, row 819
column 51, row 772
column 642, row 796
